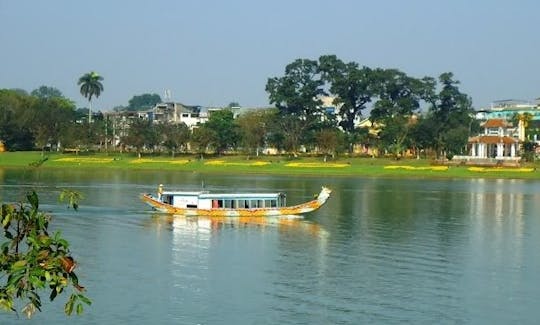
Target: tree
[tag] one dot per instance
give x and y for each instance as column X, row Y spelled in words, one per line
column 202, row 138
column 45, row 92
column 329, row 141
column 141, row 134
column 352, row 86
column 143, row 102
column 15, row 117
column 254, row 128
column 451, row 111
column 91, row 86
column 233, row 104
column 297, row 97
column 399, row 98
column 59, row 112
column 423, row 134
column 225, row 130
column 32, row 259
column 174, row 136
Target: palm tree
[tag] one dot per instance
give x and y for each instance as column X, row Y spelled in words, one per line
column 90, row 86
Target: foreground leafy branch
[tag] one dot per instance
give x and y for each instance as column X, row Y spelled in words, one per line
column 32, row 260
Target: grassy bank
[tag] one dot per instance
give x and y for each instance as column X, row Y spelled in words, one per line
column 368, row 167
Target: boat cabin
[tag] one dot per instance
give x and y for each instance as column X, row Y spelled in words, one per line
column 206, row 200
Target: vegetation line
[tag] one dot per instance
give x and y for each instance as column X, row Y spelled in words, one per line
column 277, row 165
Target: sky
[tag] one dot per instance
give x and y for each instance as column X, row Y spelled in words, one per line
column 212, row 53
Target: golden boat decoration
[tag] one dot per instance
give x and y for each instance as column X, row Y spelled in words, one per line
column 204, row 203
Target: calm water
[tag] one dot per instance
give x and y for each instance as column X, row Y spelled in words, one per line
column 381, row 251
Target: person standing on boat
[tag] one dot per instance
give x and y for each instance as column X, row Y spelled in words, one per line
column 160, row 191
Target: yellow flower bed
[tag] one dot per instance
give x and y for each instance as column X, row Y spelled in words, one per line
column 223, row 163
column 146, row 161
column 317, row 165
column 500, row 169
column 85, row 160
column 434, row 168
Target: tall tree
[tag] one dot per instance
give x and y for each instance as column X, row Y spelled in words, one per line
column 399, row 98
column 452, row 113
column 297, row 97
column 91, row 86
column 352, row 87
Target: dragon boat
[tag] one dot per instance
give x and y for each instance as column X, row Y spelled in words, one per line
column 204, row 203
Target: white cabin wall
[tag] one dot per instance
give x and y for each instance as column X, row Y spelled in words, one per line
column 183, row 201
column 205, row 204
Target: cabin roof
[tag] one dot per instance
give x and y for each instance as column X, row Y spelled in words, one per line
column 229, row 196
column 240, row 196
column 184, row 193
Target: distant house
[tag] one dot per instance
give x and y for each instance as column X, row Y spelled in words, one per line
column 497, row 142
column 177, row 113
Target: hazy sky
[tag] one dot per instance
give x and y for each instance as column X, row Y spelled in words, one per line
column 211, row 53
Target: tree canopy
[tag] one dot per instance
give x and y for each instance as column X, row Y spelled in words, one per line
column 143, row 102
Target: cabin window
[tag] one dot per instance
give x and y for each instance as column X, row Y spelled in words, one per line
column 243, row 204
column 216, row 204
column 185, row 115
column 167, row 199
column 256, row 204
column 270, row 203
column 227, row 204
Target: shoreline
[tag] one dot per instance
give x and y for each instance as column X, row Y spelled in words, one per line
column 269, row 165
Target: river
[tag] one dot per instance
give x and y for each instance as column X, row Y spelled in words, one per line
column 385, row 251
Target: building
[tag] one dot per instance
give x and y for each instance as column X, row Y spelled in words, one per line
column 499, row 141
column 177, row 113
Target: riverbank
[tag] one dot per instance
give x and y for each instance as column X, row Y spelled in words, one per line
column 365, row 167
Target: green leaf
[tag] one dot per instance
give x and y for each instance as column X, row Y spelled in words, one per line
column 53, row 294
column 6, row 218
column 63, row 243
column 33, row 199
column 68, row 308
column 80, row 309
column 15, row 278
column 85, row 299
column 19, row 264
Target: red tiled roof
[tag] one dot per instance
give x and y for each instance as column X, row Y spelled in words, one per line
column 493, row 139
column 496, row 123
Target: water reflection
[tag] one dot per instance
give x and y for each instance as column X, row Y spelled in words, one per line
column 182, row 225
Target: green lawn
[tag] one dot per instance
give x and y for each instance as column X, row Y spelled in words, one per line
column 368, row 167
